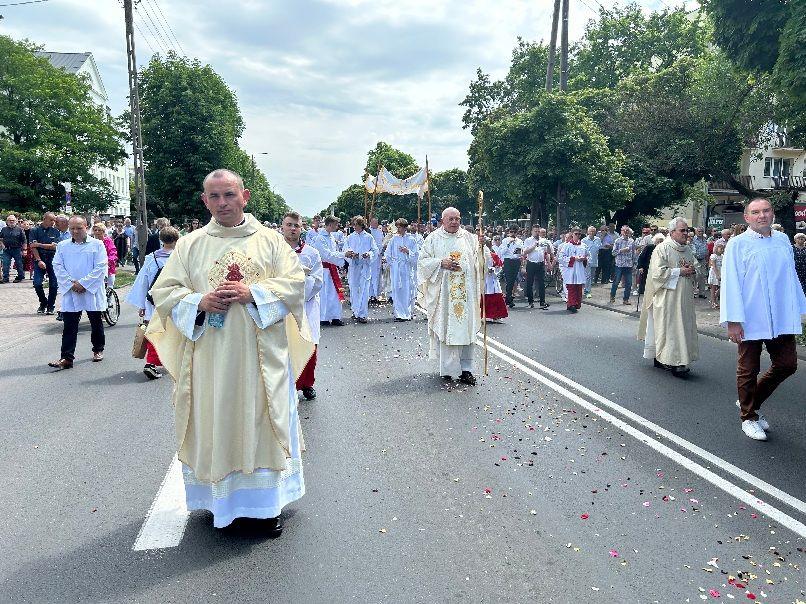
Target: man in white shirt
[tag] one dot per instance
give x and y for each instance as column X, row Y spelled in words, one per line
column 511, row 251
column 360, row 251
column 537, row 250
column 761, row 303
column 313, row 232
column 332, row 293
column 80, row 266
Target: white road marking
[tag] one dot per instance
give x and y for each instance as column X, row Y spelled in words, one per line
column 728, row 467
column 728, row 487
column 165, row 522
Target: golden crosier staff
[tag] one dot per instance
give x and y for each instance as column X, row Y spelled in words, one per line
column 483, row 274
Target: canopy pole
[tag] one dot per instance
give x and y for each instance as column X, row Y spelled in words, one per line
column 375, row 193
column 366, row 175
column 428, row 189
column 483, row 276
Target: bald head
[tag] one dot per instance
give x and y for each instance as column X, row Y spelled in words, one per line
column 759, row 215
column 451, row 220
column 78, row 228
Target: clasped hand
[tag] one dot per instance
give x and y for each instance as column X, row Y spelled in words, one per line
column 78, row 288
column 227, row 293
column 450, row 264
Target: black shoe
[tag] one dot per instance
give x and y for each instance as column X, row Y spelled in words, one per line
column 274, row 527
column 680, row 371
column 309, row 394
column 446, row 378
column 361, row 320
column 59, row 316
column 531, row 304
column 399, row 320
column 572, row 309
column 50, row 311
column 151, row 372
column 18, row 279
column 323, row 323
column 3, row 280
column 467, row 378
column 40, row 310
column 511, row 305
column 544, row 306
column 658, row 364
column 337, row 323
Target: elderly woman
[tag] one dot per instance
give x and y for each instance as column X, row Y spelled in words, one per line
column 800, row 258
column 99, row 233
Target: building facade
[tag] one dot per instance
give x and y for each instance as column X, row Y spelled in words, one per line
column 83, row 64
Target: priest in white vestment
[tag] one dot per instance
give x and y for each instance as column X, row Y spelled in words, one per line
column 332, row 293
column 668, row 322
column 229, row 328
column 291, row 228
column 451, row 278
column 360, row 250
column 401, row 256
column 763, row 305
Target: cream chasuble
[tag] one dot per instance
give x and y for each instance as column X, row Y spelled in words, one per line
column 451, row 298
column 668, row 315
column 231, row 397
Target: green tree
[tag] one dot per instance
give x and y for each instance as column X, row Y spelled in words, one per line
column 625, row 41
column 191, row 124
column 264, row 203
column 450, row 188
column 525, row 156
column 52, row 133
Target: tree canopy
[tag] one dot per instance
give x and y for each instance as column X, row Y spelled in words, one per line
column 191, row 124
column 52, row 133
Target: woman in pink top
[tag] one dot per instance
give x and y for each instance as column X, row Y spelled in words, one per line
column 99, row 232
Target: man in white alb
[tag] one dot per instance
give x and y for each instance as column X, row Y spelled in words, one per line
column 762, row 304
column 360, row 251
column 451, row 277
column 375, row 284
column 332, row 293
column 401, row 256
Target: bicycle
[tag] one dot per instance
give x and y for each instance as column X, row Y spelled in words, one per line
column 112, row 312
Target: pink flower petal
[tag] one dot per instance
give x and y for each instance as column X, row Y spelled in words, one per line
column 714, row 593
column 613, row 553
column 584, row 516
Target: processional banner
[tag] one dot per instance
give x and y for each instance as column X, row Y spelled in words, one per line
column 386, row 182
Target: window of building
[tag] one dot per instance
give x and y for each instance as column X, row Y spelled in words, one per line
column 778, row 166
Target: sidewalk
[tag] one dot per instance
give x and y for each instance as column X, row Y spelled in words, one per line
column 707, row 317
column 18, row 319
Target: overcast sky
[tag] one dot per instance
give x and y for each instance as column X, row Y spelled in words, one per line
column 319, row 82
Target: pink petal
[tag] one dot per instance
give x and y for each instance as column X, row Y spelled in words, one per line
column 614, row 553
column 714, row 593
column 584, row 516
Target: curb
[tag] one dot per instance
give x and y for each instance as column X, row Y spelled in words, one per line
column 801, row 350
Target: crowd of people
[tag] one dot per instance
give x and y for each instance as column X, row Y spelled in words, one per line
column 233, row 310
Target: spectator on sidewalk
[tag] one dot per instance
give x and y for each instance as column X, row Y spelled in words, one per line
column 121, row 242
column 607, row 233
column 537, row 250
column 644, row 259
column 668, row 322
column 593, row 243
column 43, row 247
column 699, row 245
column 99, row 233
column 715, row 273
column 761, row 305
column 511, row 250
column 624, row 254
column 799, row 250
column 14, row 245
column 140, row 298
column 80, row 265
column 153, row 243
column 28, row 258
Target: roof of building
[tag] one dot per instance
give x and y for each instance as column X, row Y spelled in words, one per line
column 70, row 62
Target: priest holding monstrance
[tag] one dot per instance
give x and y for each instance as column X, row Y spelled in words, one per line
column 450, row 277
column 229, row 329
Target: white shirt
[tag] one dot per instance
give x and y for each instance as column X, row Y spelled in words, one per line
column 314, row 279
column 539, row 253
column 508, row 247
column 311, row 235
column 760, row 288
column 86, row 263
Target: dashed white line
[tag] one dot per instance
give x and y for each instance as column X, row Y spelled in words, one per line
column 165, row 522
column 508, row 355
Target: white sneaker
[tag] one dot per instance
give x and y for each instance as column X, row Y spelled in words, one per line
column 762, row 421
column 753, row 430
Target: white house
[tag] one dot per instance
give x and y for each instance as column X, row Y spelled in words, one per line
column 83, row 63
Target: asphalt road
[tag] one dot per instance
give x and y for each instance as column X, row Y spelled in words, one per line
column 506, row 492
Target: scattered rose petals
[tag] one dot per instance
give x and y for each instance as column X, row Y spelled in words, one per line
column 754, row 516
column 714, row 593
column 584, row 516
column 688, row 490
column 613, row 553
column 488, row 490
column 750, row 596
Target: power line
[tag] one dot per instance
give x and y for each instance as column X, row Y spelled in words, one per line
column 170, row 29
column 143, row 36
column 154, row 33
column 153, row 25
column 24, row 2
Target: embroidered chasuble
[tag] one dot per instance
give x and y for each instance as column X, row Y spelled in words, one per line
column 451, row 298
column 232, row 390
column 668, row 320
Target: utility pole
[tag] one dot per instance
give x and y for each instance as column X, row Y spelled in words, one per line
column 564, row 49
column 136, row 133
column 552, row 47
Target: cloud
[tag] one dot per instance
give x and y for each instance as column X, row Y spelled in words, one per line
column 319, row 82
